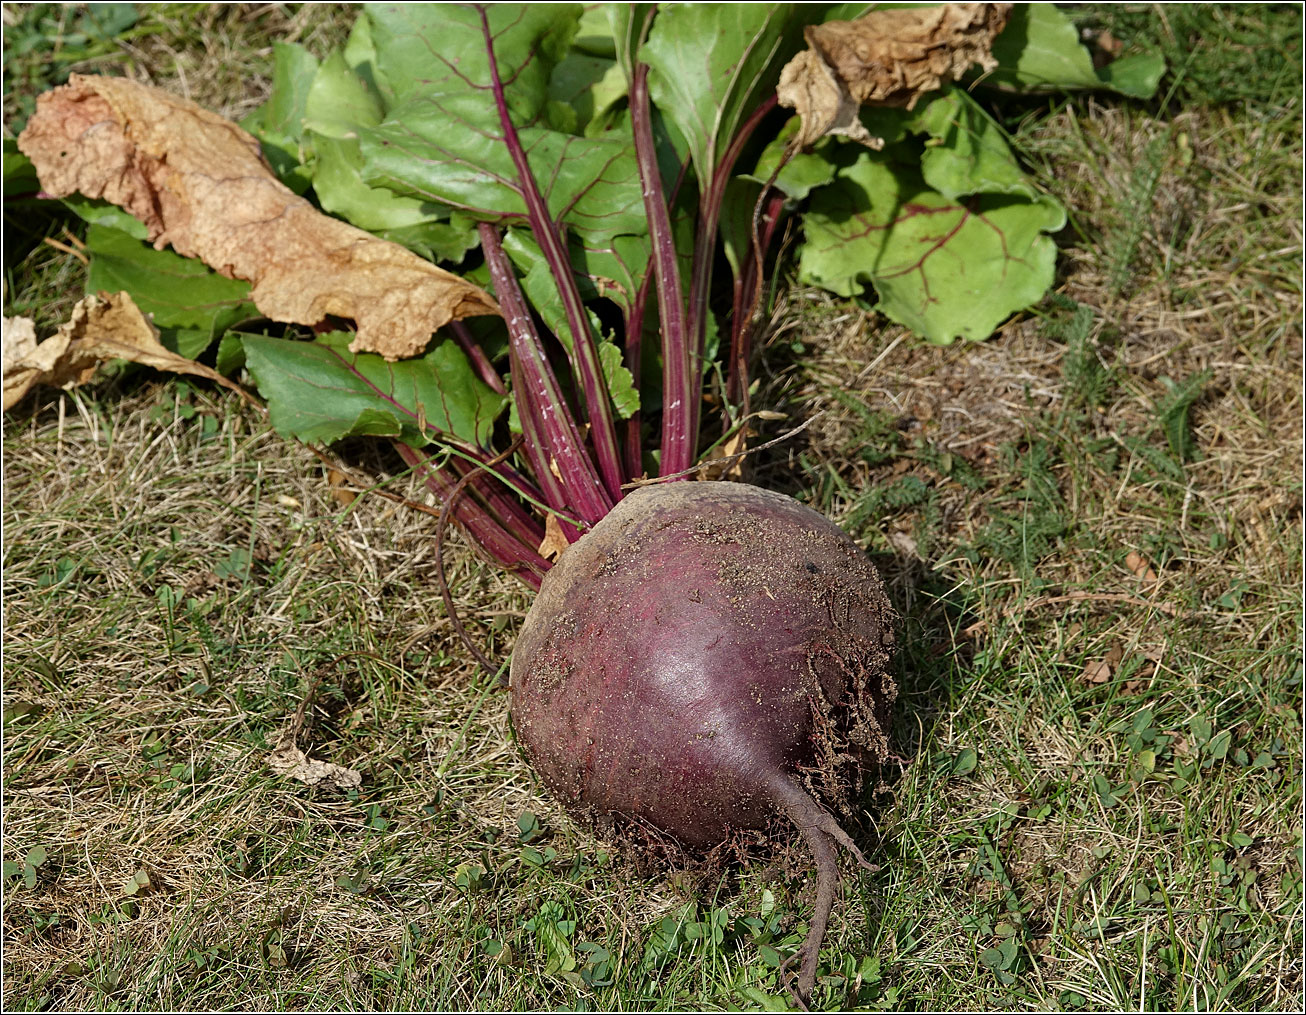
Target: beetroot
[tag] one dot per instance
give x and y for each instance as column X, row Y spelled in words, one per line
column 707, row 657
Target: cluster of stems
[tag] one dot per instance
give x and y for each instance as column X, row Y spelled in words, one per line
column 579, row 461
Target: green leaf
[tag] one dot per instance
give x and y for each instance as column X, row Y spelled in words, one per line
column 341, row 190
column 991, row 957
column 1172, row 412
column 438, row 51
column 294, row 69
column 231, row 353
column 279, row 122
column 1218, row 748
column 339, row 100
column 944, row 268
column 712, row 64
column 35, row 856
column 443, row 141
column 614, row 268
column 470, row 876
column 591, row 184
column 736, row 225
column 102, row 213
column 1136, row 75
column 339, row 103
column 583, row 92
column 134, row 884
column 1040, row 51
column 801, row 174
column 529, row 826
column 10, row 869
column 557, row 949
column 594, row 31
column 965, row 761
column 19, row 173
column 968, row 153
column 541, row 289
column 437, row 241
column 621, row 385
column 190, row 304
column 320, row 391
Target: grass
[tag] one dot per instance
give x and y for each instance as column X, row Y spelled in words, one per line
column 1102, row 807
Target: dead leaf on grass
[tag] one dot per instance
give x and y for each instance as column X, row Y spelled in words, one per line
column 101, row 328
column 340, row 492
column 201, row 583
column 1139, row 683
column 288, row 760
column 904, row 544
column 1109, row 44
column 199, row 183
column 1140, row 568
column 1099, row 671
column 889, row 58
column 554, row 543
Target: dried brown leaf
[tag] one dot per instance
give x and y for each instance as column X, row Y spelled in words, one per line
column 1099, row 671
column 19, row 346
column 889, row 58
column 200, row 183
column 288, row 760
column 554, row 543
column 1109, row 44
column 103, row 327
column 724, row 458
column 1140, row 568
column 904, row 544
column 1138, row 683
column 341, row 493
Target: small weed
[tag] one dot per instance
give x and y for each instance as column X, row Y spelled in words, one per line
column 1123, row 247
column 1172, row 412
column 26, row 869
column 1087, row 380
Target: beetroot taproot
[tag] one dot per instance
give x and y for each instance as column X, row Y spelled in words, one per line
column 708, row 657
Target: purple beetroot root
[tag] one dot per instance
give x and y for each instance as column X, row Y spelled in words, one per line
column 708, row 656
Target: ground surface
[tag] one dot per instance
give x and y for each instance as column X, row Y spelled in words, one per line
column 1091, row 524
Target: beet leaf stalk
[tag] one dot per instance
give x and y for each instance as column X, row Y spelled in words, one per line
column 549, row 235
column 681, row 372
column 546, row 419
column 507, row 547
column 748, row 293
column 705, row 239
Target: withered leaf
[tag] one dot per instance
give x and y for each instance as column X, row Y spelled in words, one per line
column 200, row 183
column 340, row 490
column 288, row 760
column 103, row 327
column 725, row 461
column 1140, row 568
column 889, row 57
column 555, row 542
column 1099, row 671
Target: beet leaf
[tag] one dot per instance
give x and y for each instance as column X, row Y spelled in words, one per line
column 320, row 391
